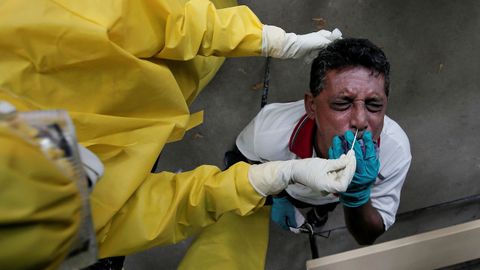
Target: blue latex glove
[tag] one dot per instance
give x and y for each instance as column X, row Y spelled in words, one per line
column 283, row 213
column 358, row 192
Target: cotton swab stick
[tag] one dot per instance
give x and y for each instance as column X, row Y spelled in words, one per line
column 354, row 139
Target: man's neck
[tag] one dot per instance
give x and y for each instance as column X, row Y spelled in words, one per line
column 315, row 144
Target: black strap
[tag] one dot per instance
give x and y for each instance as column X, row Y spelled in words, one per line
column 266, row 83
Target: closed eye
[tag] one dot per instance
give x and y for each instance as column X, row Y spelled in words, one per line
column 341, row 106
column 374, row 106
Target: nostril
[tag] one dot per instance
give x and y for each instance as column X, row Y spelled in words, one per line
column 361, row 131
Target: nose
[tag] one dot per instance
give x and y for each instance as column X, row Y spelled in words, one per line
column 359, row 117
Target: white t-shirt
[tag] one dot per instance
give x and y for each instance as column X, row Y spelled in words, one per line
column 267, row 138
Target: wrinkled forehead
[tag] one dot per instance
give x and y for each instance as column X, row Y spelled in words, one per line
column 353, row 81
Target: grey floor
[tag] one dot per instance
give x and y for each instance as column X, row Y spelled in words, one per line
column 433, row 47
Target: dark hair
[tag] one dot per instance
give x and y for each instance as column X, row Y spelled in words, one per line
column 348, row 52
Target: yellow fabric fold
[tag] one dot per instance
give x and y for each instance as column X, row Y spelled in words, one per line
column 187, row 202
column 233, row 242
column 39, row 207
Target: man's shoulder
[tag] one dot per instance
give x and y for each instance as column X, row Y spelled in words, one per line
column 393, row 133
column 276, row 117
column 269, row 133
column 394, row 147
column 282, row 113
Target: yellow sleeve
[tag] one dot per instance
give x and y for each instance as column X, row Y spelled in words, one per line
column 203, row 30
column 174, row 29
column 169, row 207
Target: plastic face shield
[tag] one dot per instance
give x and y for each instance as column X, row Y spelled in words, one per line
column 53, row 133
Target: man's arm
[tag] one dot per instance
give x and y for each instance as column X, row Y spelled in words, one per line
column 364, row 223
column 363, row 220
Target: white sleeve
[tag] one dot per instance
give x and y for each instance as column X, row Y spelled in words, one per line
column 386, row 192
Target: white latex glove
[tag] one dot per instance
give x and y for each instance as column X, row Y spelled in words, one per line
column 278, row 44
column 327, row 175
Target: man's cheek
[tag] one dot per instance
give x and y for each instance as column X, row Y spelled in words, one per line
column 333, row 133
column 378, row 130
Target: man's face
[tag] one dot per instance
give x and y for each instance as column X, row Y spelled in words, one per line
column 353, row 98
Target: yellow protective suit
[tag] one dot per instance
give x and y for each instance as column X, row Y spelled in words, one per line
column 233, row 242
column 126, row 72
column 39, row 207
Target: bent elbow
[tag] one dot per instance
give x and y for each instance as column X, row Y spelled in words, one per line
column 365, row 241
column 368, row 238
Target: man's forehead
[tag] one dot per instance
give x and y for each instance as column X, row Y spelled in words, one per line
column 354, row 80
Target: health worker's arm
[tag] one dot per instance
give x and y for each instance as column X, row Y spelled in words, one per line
column 172, row 29
column 169, row 207
column 367, row 222
column 201, row 29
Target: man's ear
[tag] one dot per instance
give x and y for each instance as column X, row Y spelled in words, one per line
column 310, row 105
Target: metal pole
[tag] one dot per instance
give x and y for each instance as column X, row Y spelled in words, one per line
column 313, row 245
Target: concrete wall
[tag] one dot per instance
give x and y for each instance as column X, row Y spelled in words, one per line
column 433, row 50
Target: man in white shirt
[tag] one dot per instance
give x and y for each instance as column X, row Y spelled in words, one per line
column 348, row 92
column 349, row 88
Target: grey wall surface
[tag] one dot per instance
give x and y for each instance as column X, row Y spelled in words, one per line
column 433, row 50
